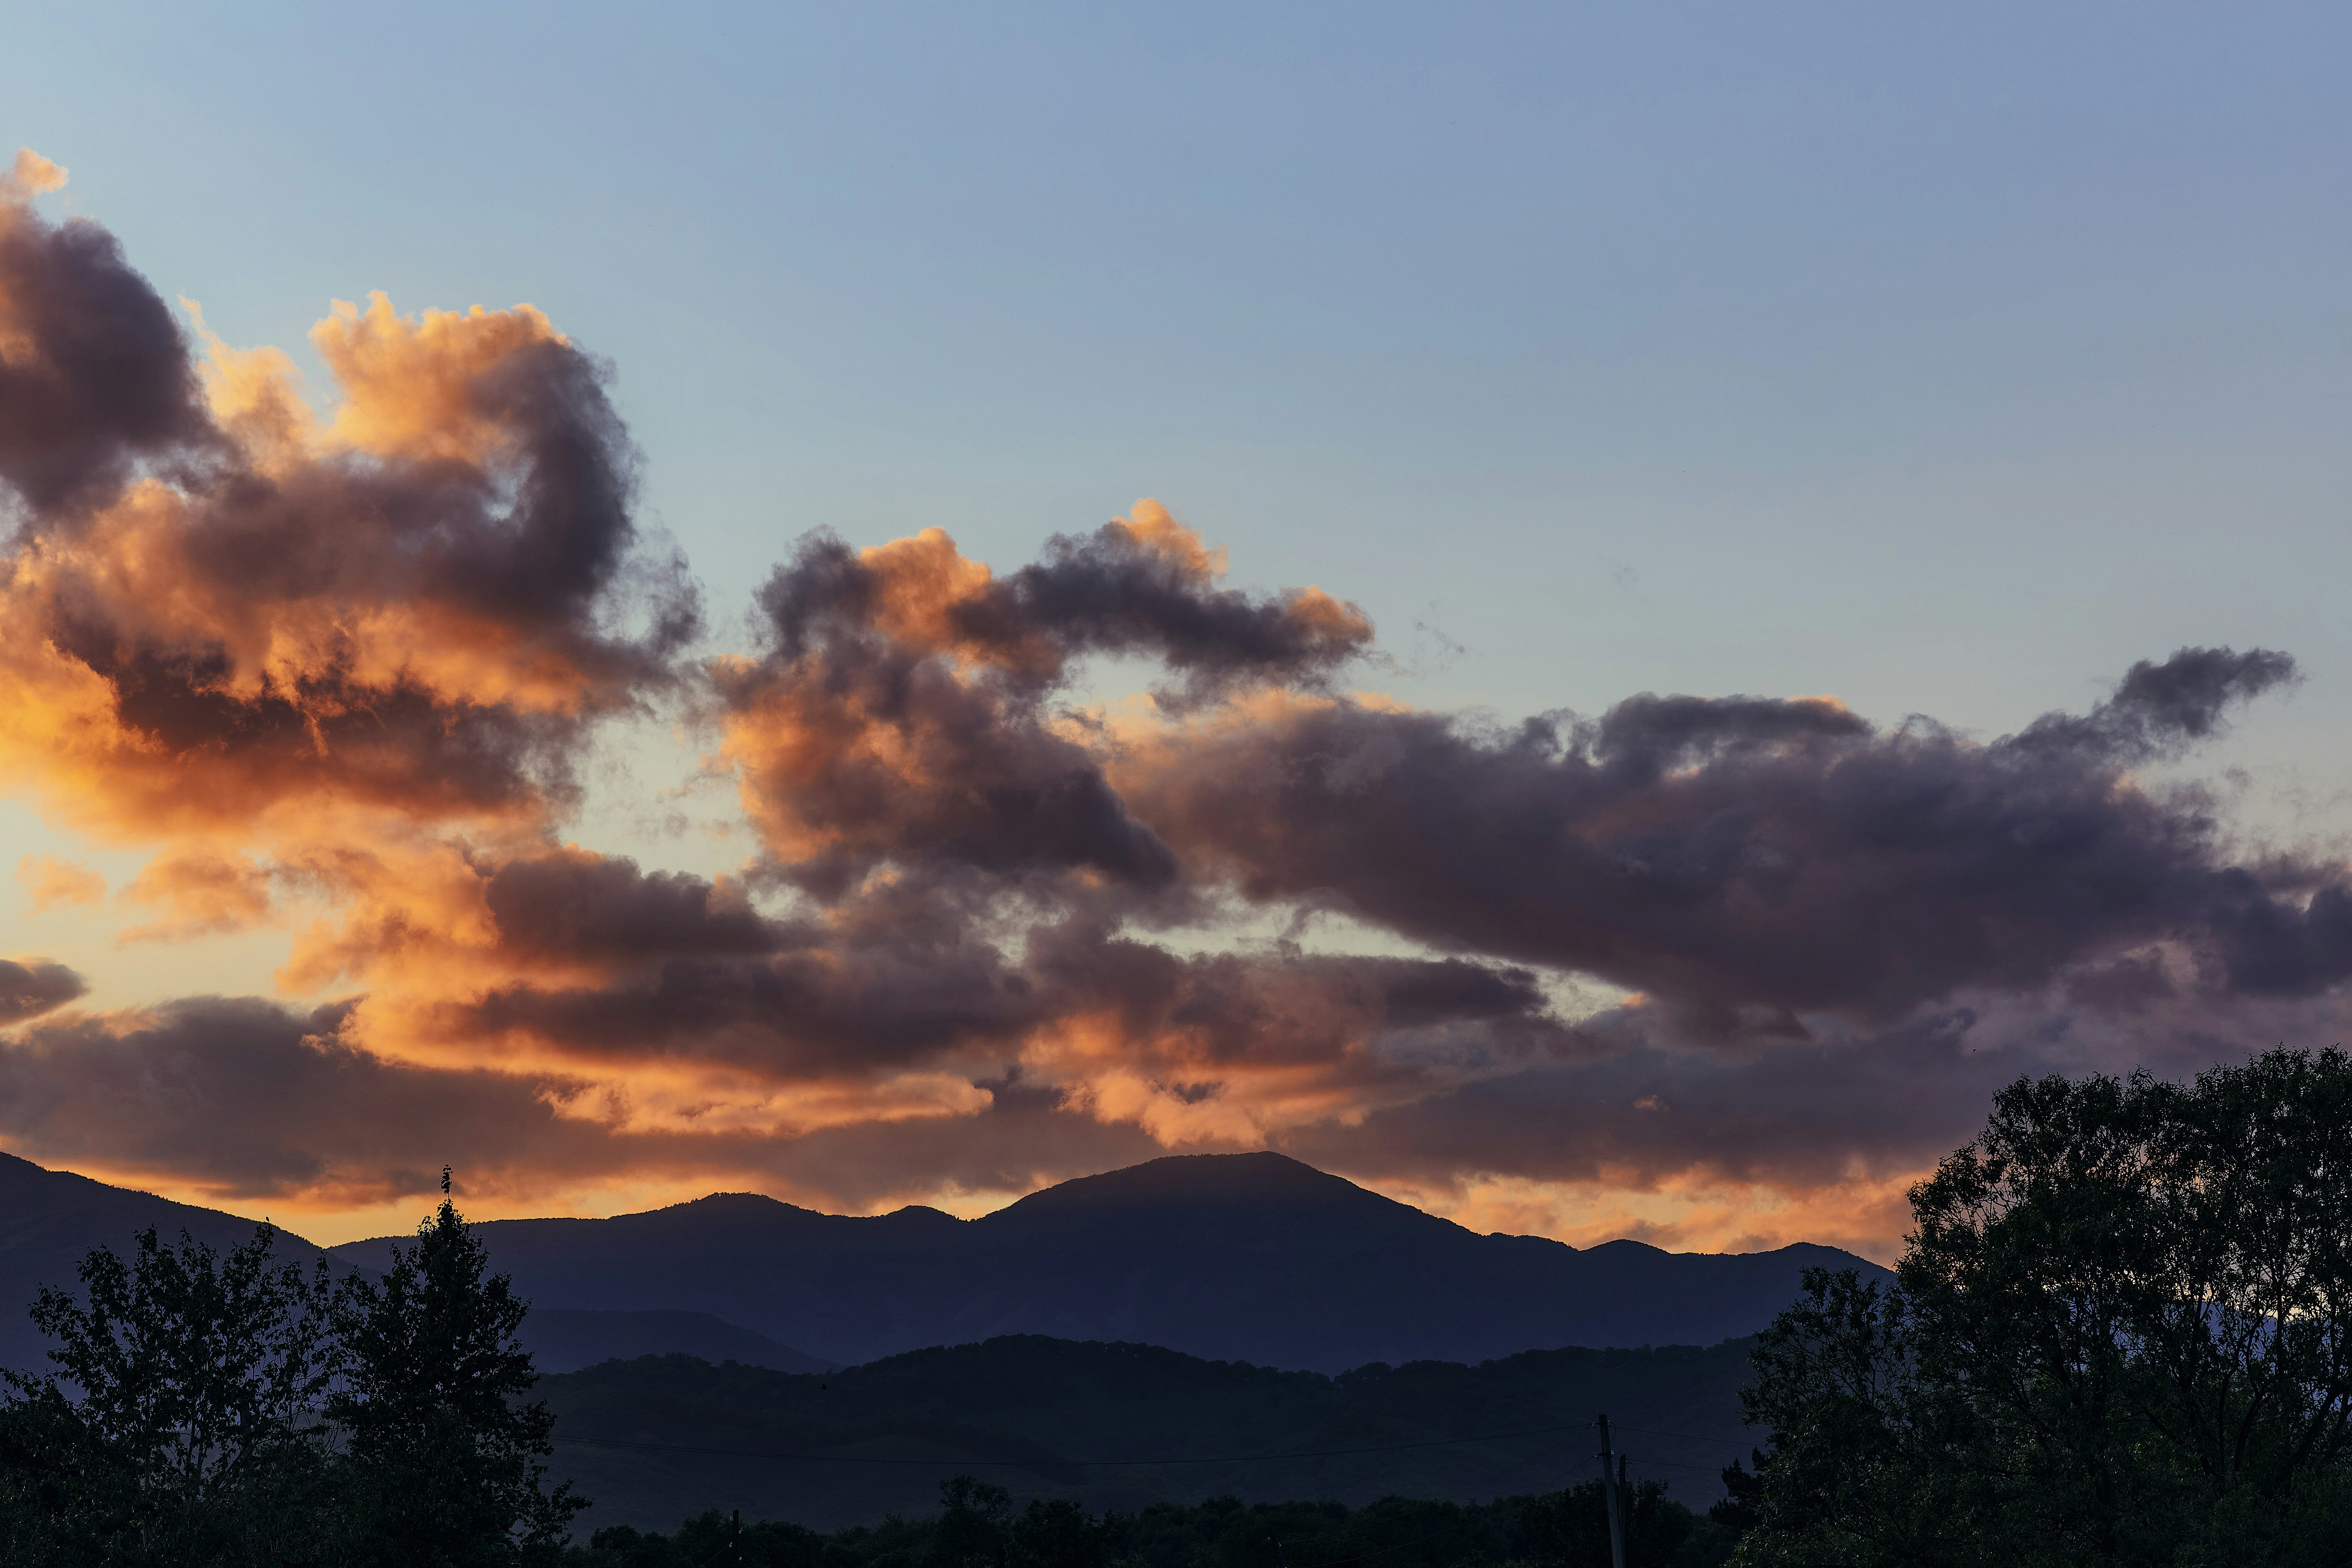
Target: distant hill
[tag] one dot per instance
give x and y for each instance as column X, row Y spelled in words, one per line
column 562, row 1338
column 50, row 1220
column 1023, row 1411
column 1247, row 1258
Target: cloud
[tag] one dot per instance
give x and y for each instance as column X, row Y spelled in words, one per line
column 1141, row 586
column 238, row 1097
column 32, row 175
column 1752, row 862
column 95, row 375
column 893, row 982
column 419, row 608
column 202, row 893
column 900, row 711
column 2159, row 709
column 32, row 986
column 243, row 1100
column 48, row 881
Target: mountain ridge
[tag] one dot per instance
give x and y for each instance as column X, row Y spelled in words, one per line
column 1254, row 1258
column 1250, row 1257
column 50, row 1220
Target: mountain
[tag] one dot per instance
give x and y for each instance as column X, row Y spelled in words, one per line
column 1248, row 1258
column 565, row 1339
column 1029, row 1414
column 49, row 1220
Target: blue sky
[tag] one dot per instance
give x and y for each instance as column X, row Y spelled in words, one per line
column 1945, row 360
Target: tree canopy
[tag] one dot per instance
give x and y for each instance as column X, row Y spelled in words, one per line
column 217, row 1409
column 2121, row 1332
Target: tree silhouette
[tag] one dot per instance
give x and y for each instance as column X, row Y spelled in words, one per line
column 182, row 1424
column 445, row 1455
column 2122, row 1333
column 222, row 1410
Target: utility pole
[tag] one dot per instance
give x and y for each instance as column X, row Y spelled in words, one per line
column 1277, row 1542
column 738, row 1537
column 1613, row 1483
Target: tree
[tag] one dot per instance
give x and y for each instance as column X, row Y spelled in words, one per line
column 1055, row 1533
column 1868, row 1460
column 211, row 1409
column 2122, row 1333
column 444, row 1456
column 972, row 1519
column 192, row 1433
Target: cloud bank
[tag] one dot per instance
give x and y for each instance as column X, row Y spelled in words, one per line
column 1720, row 970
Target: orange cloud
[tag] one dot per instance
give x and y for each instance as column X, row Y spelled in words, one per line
column 1865, row 1214
column 48, row 881
column 421, row 387
column 201, row 893
column 1154, row 527
column 30, row 174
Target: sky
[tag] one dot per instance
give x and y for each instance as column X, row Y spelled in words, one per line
column 1599, row 618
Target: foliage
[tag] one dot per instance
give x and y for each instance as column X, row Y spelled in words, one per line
column 976, row 1525
column 439, row 1447
column 2122, row 1333
column 217, row 1410
column 198, row 1380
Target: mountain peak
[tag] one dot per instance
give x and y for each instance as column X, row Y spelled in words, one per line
column 1203, row 1180
column 733, row 1203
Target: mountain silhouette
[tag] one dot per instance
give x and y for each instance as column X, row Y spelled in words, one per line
column 51, row 1220
column 1247, row 1258
column 565, row 1339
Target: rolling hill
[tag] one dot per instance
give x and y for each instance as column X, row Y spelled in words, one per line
column 657, row 1440
column 565, row 1339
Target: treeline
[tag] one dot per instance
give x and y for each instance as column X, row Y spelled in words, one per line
column 1084, row 1421
column 221, row 1409
column 977, row 1525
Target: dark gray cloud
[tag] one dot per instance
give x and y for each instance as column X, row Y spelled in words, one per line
column 96, row 377
column 244, row 1097
column 1748, row 861
column 900, row 712
column 32, row 986
column 1120, row 590
column 878, row 753
column 906, row 977
column 1110, row 592
column 2159, row 709
column 580, row 908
